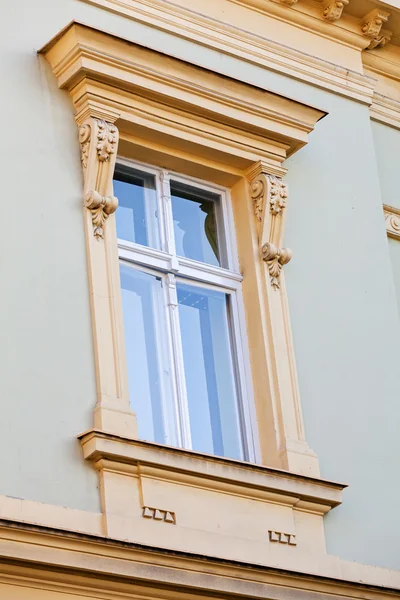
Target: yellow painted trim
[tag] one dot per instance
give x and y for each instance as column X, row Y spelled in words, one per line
column 44, row 559
column 245, row 45
column 159, row 102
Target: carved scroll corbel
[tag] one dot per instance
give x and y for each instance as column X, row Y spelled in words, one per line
column 98, row 140
column 332, row 11
column 269, row 195
column 372, row 28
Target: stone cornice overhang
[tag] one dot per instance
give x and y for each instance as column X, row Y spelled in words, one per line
column 308, row 15
column 207, row 471
column 62, row 561
column 110, row 77
column 248, row 46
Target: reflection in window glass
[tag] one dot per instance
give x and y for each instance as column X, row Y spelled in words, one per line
column 209, row 374
column 145, row 332
column 195, row 223
column 136, row 216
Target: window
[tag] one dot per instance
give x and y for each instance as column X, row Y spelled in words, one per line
column 181, row 296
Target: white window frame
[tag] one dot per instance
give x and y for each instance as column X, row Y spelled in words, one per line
column 169, row 267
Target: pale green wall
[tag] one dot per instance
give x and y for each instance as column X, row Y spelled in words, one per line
column 342, row 300
column 387, row 149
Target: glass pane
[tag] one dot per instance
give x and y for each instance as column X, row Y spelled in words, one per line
column 136, row 215
column 195, row 223
column 210, row 382
column 145, row 339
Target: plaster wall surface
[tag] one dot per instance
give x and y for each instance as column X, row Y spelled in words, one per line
column 340, row 286
column 387, row 150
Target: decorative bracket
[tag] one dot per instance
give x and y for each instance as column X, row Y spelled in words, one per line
column 332, row 11
column 98, row 140
column 269, row 194
column 372, row 28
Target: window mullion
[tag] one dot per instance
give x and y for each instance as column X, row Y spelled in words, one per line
column 168, row 219
column 180, row 381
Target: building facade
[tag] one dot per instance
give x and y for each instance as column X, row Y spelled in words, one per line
column 200, row 261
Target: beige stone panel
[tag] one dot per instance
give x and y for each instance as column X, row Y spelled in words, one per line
column 212, row 511
column 309, row 532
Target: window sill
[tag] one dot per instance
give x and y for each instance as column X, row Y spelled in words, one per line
column 181, row 499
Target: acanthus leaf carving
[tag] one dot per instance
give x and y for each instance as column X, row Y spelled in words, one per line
column 278, row 195
column 275, row 259
column 101, row 207
column 269, row 195
column 106, row 140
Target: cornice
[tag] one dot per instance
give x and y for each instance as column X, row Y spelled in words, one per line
column 311, row 16
column 385, row 110
column 246, row 45
column 385, row 62
column 159, row 92
column 65, row 561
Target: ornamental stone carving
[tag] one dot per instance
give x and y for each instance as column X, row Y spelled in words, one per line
column 372, row 28
column 392, row 221
column 278, row 195
column 107, row 137
column 101, row 208
column 269, row 195
column 98, row 142
column 275, row 259
column 333, row 10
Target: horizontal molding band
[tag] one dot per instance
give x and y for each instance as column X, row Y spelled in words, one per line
column 244, row 45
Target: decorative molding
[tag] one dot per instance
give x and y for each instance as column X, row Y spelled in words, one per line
column 245, row 45
column 240, row 123
column 268, row 200
column 332, row 11
column 101, row 207
column 59, row 562
column 271, row 191
column 241, row 130
column 282, row 538
column 385, row 110
column 392, row 220
column 289, row 2
column 98, row 140
column 159, row 515
column 210, row 473
column 275, row 259
column 372, row 28
column 107, row 137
